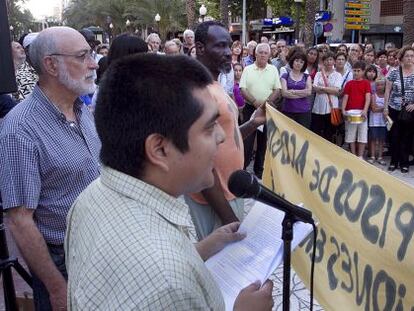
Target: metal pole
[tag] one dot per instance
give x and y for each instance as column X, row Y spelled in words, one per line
column 297, row 21
column 244, row 24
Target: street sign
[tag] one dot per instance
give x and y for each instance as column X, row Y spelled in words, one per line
column 328, row 27
column 356, row 26
column 353, row 5
column 358, row 12
column 357, row 19
column 318, row 29
column 323, row 16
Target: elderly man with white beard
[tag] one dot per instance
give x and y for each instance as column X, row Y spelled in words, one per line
column 49, row 154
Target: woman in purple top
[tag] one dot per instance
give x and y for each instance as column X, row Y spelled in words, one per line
column 296, row 87
column 238, row 98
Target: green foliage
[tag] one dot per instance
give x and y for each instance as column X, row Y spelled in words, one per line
column 280, row 7
column 287, row 8
column 141, row 13
column 20, row 19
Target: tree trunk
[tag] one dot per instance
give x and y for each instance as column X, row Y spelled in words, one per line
column 408, row 22
column 311, row 7
column 224, row 12
column 190, row 7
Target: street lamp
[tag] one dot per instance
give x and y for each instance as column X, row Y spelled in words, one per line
column 203, row 12
column 157, row 20
column 11, row 32
column 111, row 27
column 298, row 4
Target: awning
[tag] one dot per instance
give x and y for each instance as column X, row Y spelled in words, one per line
column 381, row 28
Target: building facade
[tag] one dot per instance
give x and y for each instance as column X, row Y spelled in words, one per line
column 384, row 25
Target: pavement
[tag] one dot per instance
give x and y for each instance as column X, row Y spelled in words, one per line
column 299, row 293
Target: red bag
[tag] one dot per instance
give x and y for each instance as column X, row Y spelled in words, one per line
column 336, row 116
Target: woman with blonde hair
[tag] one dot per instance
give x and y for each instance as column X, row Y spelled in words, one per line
column 236, row 52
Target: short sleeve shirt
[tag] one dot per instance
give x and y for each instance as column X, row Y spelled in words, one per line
column 127, row 248
column 356, row 91
column 296, row 105
column 321, row 103
column 46, row 161
column 396, row 91
column 260, row 82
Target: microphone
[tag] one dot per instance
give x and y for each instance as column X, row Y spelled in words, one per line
column 245, row 185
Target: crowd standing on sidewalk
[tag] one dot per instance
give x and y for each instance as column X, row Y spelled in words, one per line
column 150, row 118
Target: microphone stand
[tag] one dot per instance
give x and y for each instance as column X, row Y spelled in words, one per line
column 6, row 265
column 287, row 237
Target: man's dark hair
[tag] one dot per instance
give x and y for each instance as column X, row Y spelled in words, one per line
column 382, row 52
column 22, row 38
column 87, row 34
column 299, row 55
column 103, row 65
column 126, row 44
column 359, row 65
column 201, row 32
column 144, row 94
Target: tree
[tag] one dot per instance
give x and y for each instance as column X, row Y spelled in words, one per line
column 190, row 8
column 408, row 22
column 224, row 12
column 21, row 20
column 141, row 14
column 280, row 7
column 311, row 7
column 171, row 13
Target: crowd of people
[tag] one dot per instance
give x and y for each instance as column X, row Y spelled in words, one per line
column 346, row 81
column 105, row 149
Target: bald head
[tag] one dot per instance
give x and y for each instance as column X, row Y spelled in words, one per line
column 64, row 61
column 54, row 40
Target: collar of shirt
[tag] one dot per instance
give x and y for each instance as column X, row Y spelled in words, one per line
column 51, row 107
column 172, row 209
column 261, row 69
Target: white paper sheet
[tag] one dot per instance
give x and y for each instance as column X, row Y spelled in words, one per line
column 255, row 257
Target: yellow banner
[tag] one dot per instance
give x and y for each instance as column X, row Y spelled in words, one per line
column 365, row 246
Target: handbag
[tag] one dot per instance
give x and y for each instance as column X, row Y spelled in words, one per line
column 336, row 113
column 405, row 116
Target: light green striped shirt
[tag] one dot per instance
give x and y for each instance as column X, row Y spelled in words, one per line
column 127, row 248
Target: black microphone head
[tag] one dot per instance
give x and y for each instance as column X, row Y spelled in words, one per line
column 243, row 184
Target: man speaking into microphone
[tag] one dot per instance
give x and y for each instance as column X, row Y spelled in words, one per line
column 127, row 244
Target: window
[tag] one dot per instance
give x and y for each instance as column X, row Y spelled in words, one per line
column 391, row 7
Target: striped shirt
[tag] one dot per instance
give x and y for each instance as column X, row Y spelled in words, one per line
column 127, row 248
column 396, row 89
column 46, row 161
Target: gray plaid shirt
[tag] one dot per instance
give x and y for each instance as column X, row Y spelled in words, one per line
column 46, row 161
column 127, row 248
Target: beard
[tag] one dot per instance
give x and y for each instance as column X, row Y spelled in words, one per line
column 225, row 68
column 80, row 86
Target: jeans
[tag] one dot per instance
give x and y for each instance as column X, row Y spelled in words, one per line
column 40, row 293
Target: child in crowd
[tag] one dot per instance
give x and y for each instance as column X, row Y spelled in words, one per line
column 357, row 96
column 238, row 98
column 377, row 127
column 371, row 74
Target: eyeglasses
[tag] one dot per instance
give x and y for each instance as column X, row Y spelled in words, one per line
column 82, row 57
